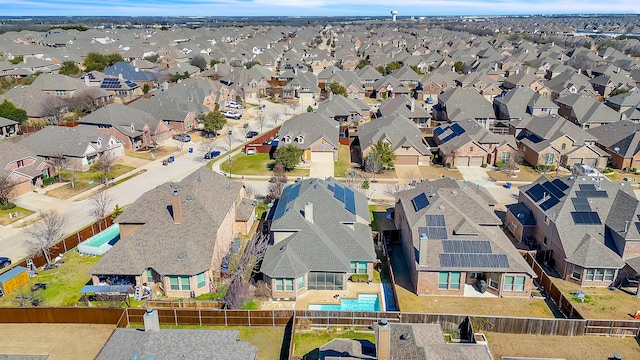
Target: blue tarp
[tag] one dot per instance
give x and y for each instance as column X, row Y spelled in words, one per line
column 106, row 289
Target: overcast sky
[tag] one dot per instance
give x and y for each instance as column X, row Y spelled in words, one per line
column 313, row 7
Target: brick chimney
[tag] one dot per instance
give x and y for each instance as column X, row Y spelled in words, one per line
column 176, row 205
column 383, row 340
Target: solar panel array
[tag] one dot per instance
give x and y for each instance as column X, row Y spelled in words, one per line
column 434, row 232
column 560, row 184
column 549, row 203
column 109, row 83
column 282, row 203
column 552, row 189
column 587, row 187
column 586, row 218
column 536, row 192
column 581, row 204
column 467, row 246
column 346, row 196
column 131, row 84
column 592, row 194
column 456, row 130
column 338, row 192
column 420, row 202
column 435, row 220
column 492, row 261
column 550, row 192
column 293, row 194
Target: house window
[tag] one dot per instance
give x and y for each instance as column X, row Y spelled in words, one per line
column 202, row 282
column 471, row 149
column 325, row 281
column 548, row 159
column 284, row 284
column 358, row 267
column 173, row 282
column 505, row 157
column 577, row 272
column 287, row 139
column 184, row 283
column 300, row 282
column 519, row 286
column 507, row 285
column 91, row 159
column 149, row 276
column 449, row 280
column 494, row 280
column 563, row 146
column 513, row 283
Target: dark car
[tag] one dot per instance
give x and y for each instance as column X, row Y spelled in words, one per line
column 4, row 262
column 252, row 134
column 181, row 137
column 212, row 154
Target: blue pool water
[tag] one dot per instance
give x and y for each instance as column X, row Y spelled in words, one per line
column 101, row 242
column 364, row 302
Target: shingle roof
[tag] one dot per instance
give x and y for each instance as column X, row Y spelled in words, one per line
column 313, row 127
column 622, row 135
column 53, row 141
column 397, row 129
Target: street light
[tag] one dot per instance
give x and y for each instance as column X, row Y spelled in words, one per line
column 230, row 138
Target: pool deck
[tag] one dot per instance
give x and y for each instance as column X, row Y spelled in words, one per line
column 325, row 297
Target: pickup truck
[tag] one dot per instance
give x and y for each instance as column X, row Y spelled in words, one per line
column 231, row 114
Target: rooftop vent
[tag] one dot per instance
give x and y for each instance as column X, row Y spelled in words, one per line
column 405, row 336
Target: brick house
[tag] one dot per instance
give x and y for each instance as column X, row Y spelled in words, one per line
column 24, row 169
column 621, row 140
column 175, row 236
column 451, row 240
column 313, row 133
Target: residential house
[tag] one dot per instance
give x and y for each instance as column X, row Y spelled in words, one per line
column 465, row 143
column 405, row 106
column 627, row 104
column 124, row 71
column 585, row 111
column 621, row 140
column 175, row 236
column 345, row 111
column 554, row 141
column 520, row 101
column 462, row 104
column 401, row 133
column 8, row 127
column 77, row 147
column 451, row 239
column 389, row 87
column 313, row 133
column 582, row 226
column 23, row 168
column 320, row 235
column 134, row 128
column 570, row 82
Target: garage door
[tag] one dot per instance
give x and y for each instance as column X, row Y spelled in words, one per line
column 476, row 161
column 406, row 160
column 590, row 162
column 462, row 161
column 321, row 156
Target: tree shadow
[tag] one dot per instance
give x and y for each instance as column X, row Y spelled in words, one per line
column 286, row 340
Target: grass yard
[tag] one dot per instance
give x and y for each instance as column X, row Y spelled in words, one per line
column 618, row 176
column 6, row 220
column 267, row 339
column 66, row 282
column 600, row 303
column 158, row 153
column 435, row 172
column 526, row 174
column 85, row 180
column 258, row 165
column 518, row 307
column 379, row 221
column 342, row 166
column 575, row 347
column 307, row 344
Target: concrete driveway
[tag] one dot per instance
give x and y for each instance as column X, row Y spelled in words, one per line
column 477, row 175
column 321, row 169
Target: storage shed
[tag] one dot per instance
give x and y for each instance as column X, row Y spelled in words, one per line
column 13, row 280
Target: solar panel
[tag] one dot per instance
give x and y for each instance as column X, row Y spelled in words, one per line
column 435, row 220
column 586, row 218
column 293, row 194
column 282, row 203
column 438, row 131
column 587, row 187
column 560, row 184
column 536, row 193
column 549, row 203
column 581, row 204
column 436, row 232
column 349, row 201
column 420, row 202
column 330, row 187
column 457, row 129
column 592, row 194
column 338, row 193
column 552, row 189
column 493, row 261
column 467, row 246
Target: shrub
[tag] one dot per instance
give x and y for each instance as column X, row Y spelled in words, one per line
column 7, row 206
column 484, row 165
column 447, row 165
column 500, row 164
column 49, row 180
column 359, row 277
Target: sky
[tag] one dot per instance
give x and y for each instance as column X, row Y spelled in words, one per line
column 312, row 7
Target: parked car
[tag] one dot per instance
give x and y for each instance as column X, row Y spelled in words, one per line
column 234, row 105
column 252, row 134
column 212, row 154
column 4, row 262
column 231, row 114
column 583, row 169
column 181, row 137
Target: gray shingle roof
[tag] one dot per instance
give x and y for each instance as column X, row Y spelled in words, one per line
column 53, row 141
column 623, row 135
column 313, row 127
column 122, row 117
column 397, row 129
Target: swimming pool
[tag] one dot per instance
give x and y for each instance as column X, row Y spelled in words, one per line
column 101, row 242
column 364, row 302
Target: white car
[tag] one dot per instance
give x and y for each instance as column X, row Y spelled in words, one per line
column 583, row 169
column 234, row 105
column 231, row 114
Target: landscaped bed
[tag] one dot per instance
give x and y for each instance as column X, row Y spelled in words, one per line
column 307, row 343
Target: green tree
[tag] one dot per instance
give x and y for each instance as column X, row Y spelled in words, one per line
column 145, row 88
column 382, row 70
column 213, row 121
column 309, row 108
column 69, row 68
column 117, row 210
column 96, row 61
column 362, row 63
column 288, row 156
column 213, row 62
column 152, row 58
column 251, row 64
column 619, row 91
column 338, row 89
column 384, row 153
column 460, row 67
column 416, row 69
column 366, row 185
column 329, row 42
column 392, row 66
column 9, row 111
column 199, row 62
column 17, row 60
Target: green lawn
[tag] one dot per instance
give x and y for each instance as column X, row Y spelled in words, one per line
column 267, row 339
column 258, row 164
column 66, row 282
column 6, row 220
column 307, row 344
column 341, row 167
column 85, row 180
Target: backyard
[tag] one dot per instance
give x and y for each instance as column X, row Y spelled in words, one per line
column 6, row 216
column 307, row 344
column 257, row 165
column 342, row 166
column 84, row 180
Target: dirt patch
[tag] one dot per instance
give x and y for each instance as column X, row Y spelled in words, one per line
column 435, row 172
column 59, row 341
column 161, row 151
column 574, row 347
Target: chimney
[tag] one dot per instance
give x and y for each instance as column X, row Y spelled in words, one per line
column 308, row 212
column 151, row 321
column 383, row 340
column 626, row 226
column 413, row 105
column 176, row 205
column 120, row 76
column 86, row 81
column 422, row 256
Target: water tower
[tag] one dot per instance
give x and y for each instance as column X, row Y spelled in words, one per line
column 393, row 15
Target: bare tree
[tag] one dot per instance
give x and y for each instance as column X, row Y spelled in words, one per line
column 101, row 203
column 105, row 163
column 61, row 163
column 277, row 182
column 238, row 292
column 249, row 191
column 45, row 233
column 373, row 164
column 511, row 165
column 208, row 145
column 275, row 117
column 53, row 108
column 261, row 119
column 6, row 187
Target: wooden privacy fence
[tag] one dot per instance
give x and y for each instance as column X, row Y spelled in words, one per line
column 184, row 304
column 215, row 317
column 620, row 328
column 69, row 315
column 553, row 292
